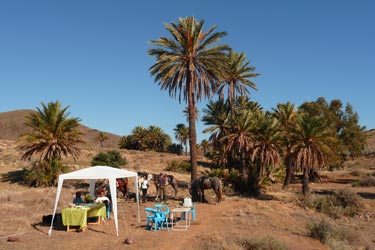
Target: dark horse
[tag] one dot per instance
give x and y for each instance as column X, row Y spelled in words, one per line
column 122, row 186
column 197, row 187
column 171, row 180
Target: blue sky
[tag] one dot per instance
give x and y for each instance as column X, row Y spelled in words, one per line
column 92, row 55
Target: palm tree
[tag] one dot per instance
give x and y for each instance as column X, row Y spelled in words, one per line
column 240, row 139
column 188, row 66
column 205, row 146
column 182, row 135
column 236, row 77
column 102, row 137
column 157, row 140
column 311, row 140
column 286, row 115
column 266, row 150
column 53, row 135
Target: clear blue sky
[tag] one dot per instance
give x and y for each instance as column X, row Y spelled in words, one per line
column 92, row 55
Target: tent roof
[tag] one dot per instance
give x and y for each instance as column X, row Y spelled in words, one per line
column 99, row 172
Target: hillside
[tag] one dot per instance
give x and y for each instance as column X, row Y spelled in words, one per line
column 12, row 125
column 276, row 220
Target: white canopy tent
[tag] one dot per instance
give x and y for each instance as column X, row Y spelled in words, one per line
column 92, row 174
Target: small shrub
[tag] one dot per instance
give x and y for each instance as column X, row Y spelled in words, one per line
column 263, row 243
column 321, row 231
column 178, row 166
column 326, row 233
column 341, row 203
column 110, row 158
column 367, row 181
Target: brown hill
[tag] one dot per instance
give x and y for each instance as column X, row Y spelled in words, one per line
column 12, row 125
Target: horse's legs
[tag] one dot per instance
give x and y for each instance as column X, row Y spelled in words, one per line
column 157, row 192
column 174, row 185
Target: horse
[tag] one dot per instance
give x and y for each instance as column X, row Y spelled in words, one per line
column 171, row 180
column 122, row 186
column 197, row 187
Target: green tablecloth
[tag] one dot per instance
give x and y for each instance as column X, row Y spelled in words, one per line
column 78, row 216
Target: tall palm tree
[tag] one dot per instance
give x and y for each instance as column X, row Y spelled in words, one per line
column 286, row 115
column 311, row 140
column 53, row 134
column 188, row 66
column 182, row 135
column 236, row 77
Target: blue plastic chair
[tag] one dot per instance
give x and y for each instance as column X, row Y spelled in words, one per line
column 154, row 219
column 165, row 211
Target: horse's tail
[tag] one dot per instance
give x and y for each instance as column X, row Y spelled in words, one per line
column 220, row 192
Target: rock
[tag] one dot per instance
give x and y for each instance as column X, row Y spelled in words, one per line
column 129, row 240
column 13, row 238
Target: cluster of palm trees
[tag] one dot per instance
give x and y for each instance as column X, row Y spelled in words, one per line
column 191, row 65
column 152, row 138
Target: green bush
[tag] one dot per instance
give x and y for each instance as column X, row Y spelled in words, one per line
column 178, row 166
column 110, row 158
column 44, row 173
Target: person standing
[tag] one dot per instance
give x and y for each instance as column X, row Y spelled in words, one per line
column 163, row 182
column 144, row 187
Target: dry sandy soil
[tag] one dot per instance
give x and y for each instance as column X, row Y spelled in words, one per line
column 218, row 226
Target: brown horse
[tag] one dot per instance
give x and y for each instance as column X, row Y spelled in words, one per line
column 171, row 180
column 197, row 187
column 122, row 186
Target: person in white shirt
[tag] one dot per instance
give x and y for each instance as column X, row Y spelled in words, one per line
column 103, row 199
column 144, row 187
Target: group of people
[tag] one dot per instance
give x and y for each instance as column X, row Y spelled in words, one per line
column 100, row 198
column 162, row 181
column 144, row 184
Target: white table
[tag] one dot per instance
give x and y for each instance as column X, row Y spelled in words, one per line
column 184, row 212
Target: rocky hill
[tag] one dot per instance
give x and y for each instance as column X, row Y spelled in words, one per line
column 12, row 125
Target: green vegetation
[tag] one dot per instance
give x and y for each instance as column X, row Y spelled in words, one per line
column 146, row 139
column 110, row 158
column 178, row 166
column 53, row 135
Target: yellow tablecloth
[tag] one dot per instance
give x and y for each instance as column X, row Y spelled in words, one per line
column 78, row 216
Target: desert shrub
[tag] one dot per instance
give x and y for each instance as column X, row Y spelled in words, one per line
column 326, row 233
column 110, row 158
column 263, row 243
column 340, row 203
column 233, row 242
column 178, row 166
column 357, row 172
column 44, row 173
column 366, row 181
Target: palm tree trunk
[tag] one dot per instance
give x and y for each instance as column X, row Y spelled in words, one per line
column 193, row 136
column 289, row 170
column 305, row 185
